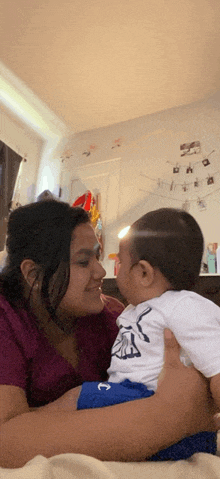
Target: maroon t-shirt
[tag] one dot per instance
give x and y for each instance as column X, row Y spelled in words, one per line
column 29, row 361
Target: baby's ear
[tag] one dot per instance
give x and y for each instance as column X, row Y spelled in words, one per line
column 147, row 273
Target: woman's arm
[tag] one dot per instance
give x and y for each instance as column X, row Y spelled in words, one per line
column 125, row 432
column 13, row 402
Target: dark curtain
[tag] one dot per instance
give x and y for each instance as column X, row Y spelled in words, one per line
column 9, row 166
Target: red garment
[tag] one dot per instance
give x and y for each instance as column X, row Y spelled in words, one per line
column 29, row 361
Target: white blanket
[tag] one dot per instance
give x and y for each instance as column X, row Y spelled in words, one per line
column 78, row 466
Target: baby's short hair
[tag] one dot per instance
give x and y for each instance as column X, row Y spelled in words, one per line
column 171, row 240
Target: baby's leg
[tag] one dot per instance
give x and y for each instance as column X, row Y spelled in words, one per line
column 99, row 394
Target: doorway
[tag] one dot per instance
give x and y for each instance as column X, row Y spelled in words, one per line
column 9, row 166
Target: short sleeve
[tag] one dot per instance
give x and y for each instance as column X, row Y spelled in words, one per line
column 13, row 364
column 195, row 322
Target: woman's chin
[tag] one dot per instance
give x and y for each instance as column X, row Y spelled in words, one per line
column 96, row 307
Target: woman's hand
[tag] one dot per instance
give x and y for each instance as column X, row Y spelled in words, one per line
column 179, row 384
column 131, row 431
column 67, row 402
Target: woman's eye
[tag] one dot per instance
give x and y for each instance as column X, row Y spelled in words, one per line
column 84, row 263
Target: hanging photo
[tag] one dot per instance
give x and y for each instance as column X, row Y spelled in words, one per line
column 189, row 169
column 201, row 204
column 206, row 162
column 210, row 180
column 190, row 148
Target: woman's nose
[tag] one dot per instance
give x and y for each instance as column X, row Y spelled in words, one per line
column 99, row 271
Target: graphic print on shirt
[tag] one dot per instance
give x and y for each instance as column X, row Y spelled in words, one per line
column 125, row 346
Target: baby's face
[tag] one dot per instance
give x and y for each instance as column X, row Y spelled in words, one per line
column 126, row 278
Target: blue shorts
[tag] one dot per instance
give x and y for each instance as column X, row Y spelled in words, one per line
column 100, row 394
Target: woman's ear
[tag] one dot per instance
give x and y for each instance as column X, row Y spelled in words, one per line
column 147, row 273
column 28, row 269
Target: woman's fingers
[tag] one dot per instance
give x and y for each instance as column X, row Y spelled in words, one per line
column 180, row 385
column 67, row 402
column 171, row 355
column 217, row 421
column 171, row 350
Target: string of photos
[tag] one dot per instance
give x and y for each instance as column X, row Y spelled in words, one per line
column 193, row 184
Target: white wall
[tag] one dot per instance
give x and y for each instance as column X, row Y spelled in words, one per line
column 150, row 146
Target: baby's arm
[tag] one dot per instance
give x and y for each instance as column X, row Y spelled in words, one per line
column 215, row 389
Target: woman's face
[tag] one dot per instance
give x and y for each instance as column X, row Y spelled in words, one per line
column 83, row 295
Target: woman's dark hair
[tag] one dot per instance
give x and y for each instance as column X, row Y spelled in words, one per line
column 41, row 232
column 171, row 240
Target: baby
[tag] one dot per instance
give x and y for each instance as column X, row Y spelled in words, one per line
column 160, row 261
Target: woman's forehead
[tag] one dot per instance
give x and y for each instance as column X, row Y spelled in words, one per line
column 83, row 237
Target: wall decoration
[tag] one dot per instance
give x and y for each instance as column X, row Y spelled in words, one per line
column 117, row 143
column 66, row 155
column 85, row 201
column 201, row 204
column 91, row 203
column 90, row 149
column 210, row 180
column 190, row 148
column 206, row 162
column 69, row 153
column 185, row 187
column 176, row 169
column 190, row 168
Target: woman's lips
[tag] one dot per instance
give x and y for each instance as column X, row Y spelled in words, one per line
column 95, row 288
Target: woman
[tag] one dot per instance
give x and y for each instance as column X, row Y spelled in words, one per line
column 56, row 331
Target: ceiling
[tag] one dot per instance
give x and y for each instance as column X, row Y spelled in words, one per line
column 99, row 62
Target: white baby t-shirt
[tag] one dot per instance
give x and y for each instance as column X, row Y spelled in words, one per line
column 138, row 351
